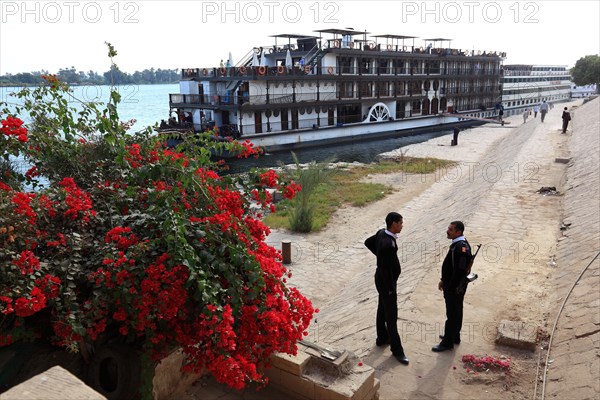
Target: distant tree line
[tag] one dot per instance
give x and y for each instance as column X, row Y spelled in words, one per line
column 114, row 76
column 587, row 70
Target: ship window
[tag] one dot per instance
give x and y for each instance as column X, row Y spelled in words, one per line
column 366, row 65
column 366, row 89
column 276, row 113
column 347, row 89
column 346, row 65
column 383, row 66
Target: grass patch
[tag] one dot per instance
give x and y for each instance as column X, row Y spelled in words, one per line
column 345, row 188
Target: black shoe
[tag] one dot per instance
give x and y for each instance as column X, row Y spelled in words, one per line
column 401, row 358
column 440, row 347
column 381, row 342
column 457, row 341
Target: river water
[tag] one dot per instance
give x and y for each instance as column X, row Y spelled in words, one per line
column 148, row 104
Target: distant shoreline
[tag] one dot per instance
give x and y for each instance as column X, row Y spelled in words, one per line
column 29, row 85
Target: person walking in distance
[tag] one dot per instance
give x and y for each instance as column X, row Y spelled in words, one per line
column 526, row 115
column 383, row 245
column 543, row 110
column 536, row 108
column 566, row 117
column 454, row 272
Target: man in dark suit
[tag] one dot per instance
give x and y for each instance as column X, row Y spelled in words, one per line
column 383, row 245
column 566, row 117
column 454, row 274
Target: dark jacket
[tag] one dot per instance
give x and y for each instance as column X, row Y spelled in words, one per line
column 454, row 267
column 388, row 265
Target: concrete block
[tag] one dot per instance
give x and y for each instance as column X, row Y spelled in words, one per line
column 352, row 382
column 373, row 394
column 292, row 364
column 516, row 334
column 297, row 385
column 274, row 375
column 168, row 379
column 330, row 393
column 54, row 384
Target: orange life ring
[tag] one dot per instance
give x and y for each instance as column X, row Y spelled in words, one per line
column 351, row 45
column 421, row 50
column 371, row 46
column 223, row 71
column 330, row 70
column 403, row 48
column 262, row 70
column 205, row 72
column 280, row 69
column 336, row 43
column 307, row 69
column 389, row 47
column 243, row 70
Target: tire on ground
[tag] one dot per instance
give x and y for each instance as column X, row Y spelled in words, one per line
column 115, row 372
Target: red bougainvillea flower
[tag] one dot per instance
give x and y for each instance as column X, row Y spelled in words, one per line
column 14, row 127
column 27, row 306
column 290, row 191
column 27, row 262
column 77, row 201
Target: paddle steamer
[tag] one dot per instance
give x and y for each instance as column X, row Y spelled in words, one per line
column 340, row 85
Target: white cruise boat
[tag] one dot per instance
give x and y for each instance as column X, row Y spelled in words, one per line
column 529, row 85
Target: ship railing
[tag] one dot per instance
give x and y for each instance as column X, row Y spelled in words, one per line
column 469, row 90
column 516, row 72
column 289, row 98
column 180, row 100
column 392, row 70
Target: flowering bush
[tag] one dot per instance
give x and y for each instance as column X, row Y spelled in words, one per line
column 125, row 239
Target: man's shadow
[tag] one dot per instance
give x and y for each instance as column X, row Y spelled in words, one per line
column 431, row 386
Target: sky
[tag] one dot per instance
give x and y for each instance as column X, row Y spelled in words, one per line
column 50, row 35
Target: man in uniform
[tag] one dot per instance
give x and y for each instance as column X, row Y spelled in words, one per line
column 383, row 245
column 454, row 274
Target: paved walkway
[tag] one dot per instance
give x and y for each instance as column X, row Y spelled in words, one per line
column 575, row 351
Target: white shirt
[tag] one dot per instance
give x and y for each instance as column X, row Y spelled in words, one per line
column 391, row 234
column 458, row 239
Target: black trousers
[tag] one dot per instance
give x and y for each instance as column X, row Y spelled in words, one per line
column 455, row 139
column 454, row 317
column 564, row 127
column 387, row 319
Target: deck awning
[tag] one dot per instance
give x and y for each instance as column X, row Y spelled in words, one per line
column 343, row 32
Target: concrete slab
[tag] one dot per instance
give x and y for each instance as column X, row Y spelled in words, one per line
column 516, row 334
column 55, row 384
